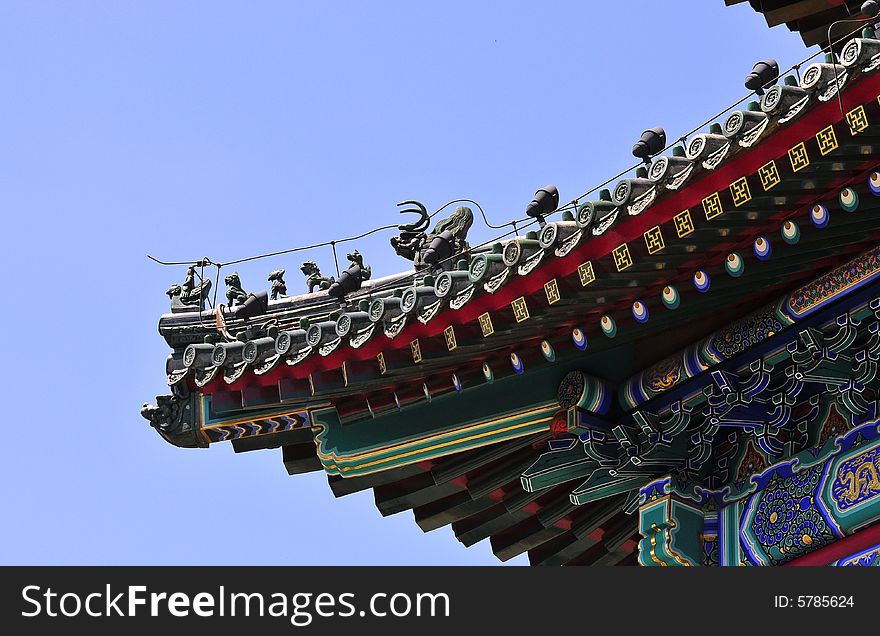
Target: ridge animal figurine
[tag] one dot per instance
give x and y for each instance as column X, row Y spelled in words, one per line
column 356, row 258
column 189, row 294
column 279, row 287
column 414, row 239
column 234, row 292
column 351, row 279
column 314, row 278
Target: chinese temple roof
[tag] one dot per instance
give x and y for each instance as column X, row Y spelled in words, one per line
column 442, row 388
column 696, row 210
column 811, row 18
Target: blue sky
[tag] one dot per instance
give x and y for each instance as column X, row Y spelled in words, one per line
column 184, row 129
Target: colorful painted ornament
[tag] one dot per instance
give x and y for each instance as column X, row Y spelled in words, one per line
column 849, row 199
column 791, row 233
column 762, row 248
column 579, row 338
column 670, row 297
column 609, row 327
column 640, row 311
column 547, row 351
column 517, row 363
column 456, row 383
column 874, row 183
column 819, row 215
column 702, row 281
column 734, row 264
column 488, row 375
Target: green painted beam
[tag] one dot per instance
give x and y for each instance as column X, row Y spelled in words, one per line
column 557, row 467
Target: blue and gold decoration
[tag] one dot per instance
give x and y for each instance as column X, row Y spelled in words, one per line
column 825, row 289
column 640, row 311
column 579, row 338
column 762, row 248
column 819, row 215
column 776, row 512
column 752, row 330
column 702, row 282
column 856, row 481
column 456, row 383
column 517, row 363
column 783, row 521
column 874, row 183
column 864, row 558
column 742, row 334
column 218, row 429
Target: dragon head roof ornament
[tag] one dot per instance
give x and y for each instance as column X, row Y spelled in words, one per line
column 414, row 241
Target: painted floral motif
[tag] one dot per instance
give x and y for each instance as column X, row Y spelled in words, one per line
column 786, row 522
column 571, row 389
column 802, row 483
column 774, row 517
column 835, row 282
column 808, row 532
column 745, row 333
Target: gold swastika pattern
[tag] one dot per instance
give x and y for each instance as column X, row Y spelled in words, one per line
column 383, row 368
column 416, row 351
column 827, row 140
column 551, row 288
column 486, row 324
column 799, row 157
column 769, row 175
column 449, row 333
column 586, row 273
column 712, row 206
column 622, row 259
column 740, row 192
column 654, row 240
column 857, row 120
column 684, row 224
column 520, row 309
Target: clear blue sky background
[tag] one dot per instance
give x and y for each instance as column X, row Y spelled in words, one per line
column 184, row 129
